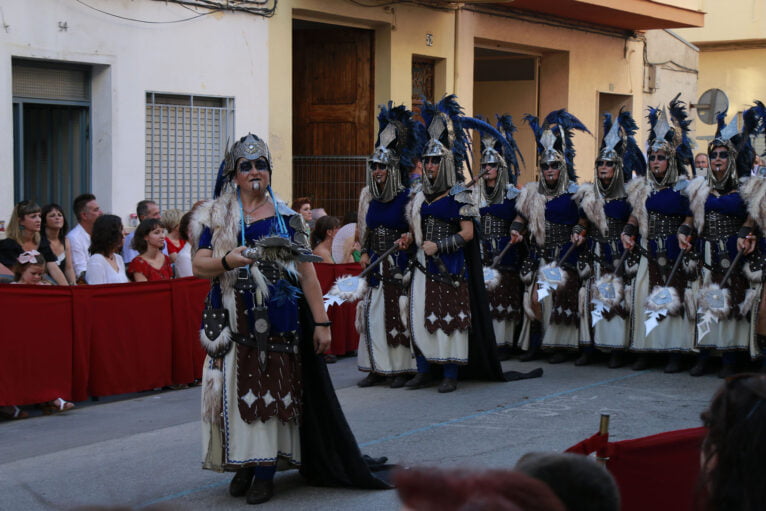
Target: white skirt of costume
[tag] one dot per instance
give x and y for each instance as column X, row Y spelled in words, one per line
column 609, row 334
column 238, row 444
column 374, row 353
column 673, row 333
column 437, row 348
column 504, row 331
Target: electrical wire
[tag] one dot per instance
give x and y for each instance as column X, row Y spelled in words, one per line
column 143, row 21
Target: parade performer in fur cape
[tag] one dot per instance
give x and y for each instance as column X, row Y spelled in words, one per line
column 384, row 336
column 659, row 208
column 448, row 311
column 718, row 214
column 267, row 396
column 605, row 319
column 548, row 216
column 497, row 207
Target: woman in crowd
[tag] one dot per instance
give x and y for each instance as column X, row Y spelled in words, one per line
column 183, row 264
column 171, row 219
column 302, row 205
column 53, row 236
column 322, row 236
column 262, row 379
column 105, row 265
column 23, row 234
column 150, row 264
column 732, row 468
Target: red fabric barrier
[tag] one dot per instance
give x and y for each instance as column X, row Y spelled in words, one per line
column 657, row 472
column 98, row 340
column 345, row 338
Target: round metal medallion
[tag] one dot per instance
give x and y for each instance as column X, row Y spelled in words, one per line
column 261, row 326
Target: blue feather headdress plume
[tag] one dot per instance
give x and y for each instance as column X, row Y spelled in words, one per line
column 728, row 135
column 405, row 141
column 511, row 153
column 220, row 180
column 678, row 114
column 561, row 125
column 759, row 113
column 632, row 159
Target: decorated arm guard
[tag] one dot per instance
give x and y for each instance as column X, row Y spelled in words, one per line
column 450, row 244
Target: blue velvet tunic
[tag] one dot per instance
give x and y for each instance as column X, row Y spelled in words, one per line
column 392, row 215
column 505, row 210
column 446, row 209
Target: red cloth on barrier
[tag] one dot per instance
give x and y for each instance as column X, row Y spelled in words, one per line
column 345, row 338
column 657, row 472
column 98, row 340
column 589, row 445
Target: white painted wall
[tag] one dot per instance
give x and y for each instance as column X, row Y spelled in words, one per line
column 222, row 54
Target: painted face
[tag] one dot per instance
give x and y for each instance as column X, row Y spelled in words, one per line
column 491, row 175
column 91, row 212
column 551, row 172
column 32, row 275
column 306, row 212
column 719, row 161
column 54, row 219
column 156, row 238
column 605, row 170
column 379, row 173
column 31, row 222
column 658, row 163
column 431, row 165
column 252, row 175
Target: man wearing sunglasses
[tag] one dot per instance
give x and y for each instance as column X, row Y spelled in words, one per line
column 605, row 205
column 549, row 215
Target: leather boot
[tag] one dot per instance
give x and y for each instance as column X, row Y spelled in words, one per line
column 699, row 368
column 420, row 381
column 399, row 381
column 241, row 482
column 260, row 491
column 529, row 356
column 616, row 360
column 558, row 357
column 447, row 385
column 371, row 379
column 641, row 363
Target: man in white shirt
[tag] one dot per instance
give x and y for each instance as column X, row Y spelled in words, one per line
column 144, row 209
column 86, row 209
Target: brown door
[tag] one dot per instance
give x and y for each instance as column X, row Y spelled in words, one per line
column 332, row 114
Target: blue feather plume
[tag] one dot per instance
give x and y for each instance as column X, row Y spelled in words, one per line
column 684, row 154
column 413, row 136
column 220, row 180
column 632, row 158
column 566, row 123
column 512, row 154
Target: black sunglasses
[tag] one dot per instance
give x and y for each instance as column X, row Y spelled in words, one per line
column 259, row 164
column 657, row 157
column 554, row 165
column 378, row 166
column 600, row 163
column 719, row 154
column 435, row 160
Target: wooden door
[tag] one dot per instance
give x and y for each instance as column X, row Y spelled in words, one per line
column 333, row 118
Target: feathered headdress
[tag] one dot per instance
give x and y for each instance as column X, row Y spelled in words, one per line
column 400, row 141
column 741, row 151
column 449, row 139
column 250, row 147
column 555, row 143
column 619, row 146
column 673, row 139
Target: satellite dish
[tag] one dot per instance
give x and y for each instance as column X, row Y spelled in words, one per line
column 710, row 103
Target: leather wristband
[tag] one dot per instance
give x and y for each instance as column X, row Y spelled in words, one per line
column 517, row 226
column 322, row 323
column 744, row 231
column 685, row 230
column 450, row 243
column 578, row 229
column 225, row 265
column 630, row 230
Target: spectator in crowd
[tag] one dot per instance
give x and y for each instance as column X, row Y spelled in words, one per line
column 86, row 210
column 579, row 481
column 174, row 242
column 322, row 236
column 23, row 234
column 150, row 264
column 53, row 235
column 701, row 164
column 352, row 250
column 302, row 205
column 144, row 209
column 183, row 265
column 431, row 489
column 733, row 452
column 105, row 265
column 29, row 269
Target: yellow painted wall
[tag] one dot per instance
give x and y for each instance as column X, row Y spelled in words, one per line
column 729, row 20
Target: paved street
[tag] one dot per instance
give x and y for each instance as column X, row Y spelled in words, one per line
column 145, row 449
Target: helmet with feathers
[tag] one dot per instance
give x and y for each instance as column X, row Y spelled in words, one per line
column 400, row 140
column 672, row 139
column 741, row 152
column 505, row 154
column 555, row 147
column 620, row 148
column 251, row 147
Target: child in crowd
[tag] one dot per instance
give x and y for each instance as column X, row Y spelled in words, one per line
column 29, row 269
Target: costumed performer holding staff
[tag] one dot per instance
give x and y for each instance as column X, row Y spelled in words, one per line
column 549, row 214
column 605, row 320
column 719, row 212
column 384, row 336
column 659, row 208
column 267, row 396
column 497, row 207
column 448, row 310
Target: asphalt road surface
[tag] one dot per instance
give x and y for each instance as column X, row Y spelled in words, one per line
column 144, row 450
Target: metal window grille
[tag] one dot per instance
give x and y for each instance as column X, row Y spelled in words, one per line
column 186, row 138
column 331, row 182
